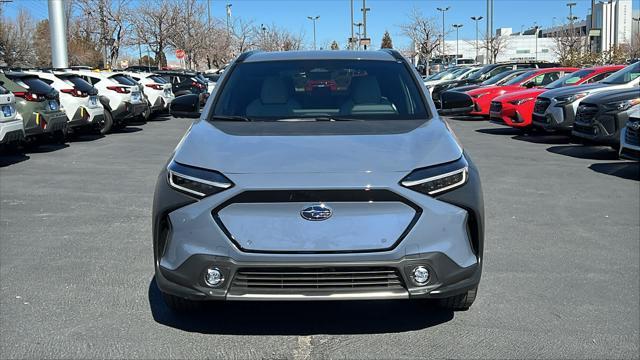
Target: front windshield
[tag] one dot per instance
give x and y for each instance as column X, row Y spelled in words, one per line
column 520, row 78
column 295, row 89
column 570, row 79
column 624, row 76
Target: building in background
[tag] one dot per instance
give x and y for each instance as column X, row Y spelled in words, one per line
column 610, row 24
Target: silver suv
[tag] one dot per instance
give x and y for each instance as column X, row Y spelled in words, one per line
column 318, row 176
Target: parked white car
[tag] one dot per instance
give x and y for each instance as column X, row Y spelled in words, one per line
column 122, row 102
column 156, row 88
column 11, row 125
column 630, row 136
column 78, row 98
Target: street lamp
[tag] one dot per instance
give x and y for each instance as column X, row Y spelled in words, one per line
column 443, row 10
column 457, row 27
column 535, row 27
column 476, row 19
column 314, row 18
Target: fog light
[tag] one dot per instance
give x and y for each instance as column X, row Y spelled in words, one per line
column 420, row 275
column 213, row 277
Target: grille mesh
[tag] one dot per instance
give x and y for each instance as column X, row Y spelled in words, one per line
column 276, row 280
column 632, row 137
column 496, row 106
column 541, row 105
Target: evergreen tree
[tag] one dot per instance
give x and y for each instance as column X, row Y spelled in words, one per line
column 386, row 41
column 334, row 45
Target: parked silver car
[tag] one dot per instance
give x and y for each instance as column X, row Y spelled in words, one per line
column 318, row 176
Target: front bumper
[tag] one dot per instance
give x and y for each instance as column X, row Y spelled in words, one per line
column 604, row 128
column 446, row 279
column 630, row 144
column 556, row 117
column 11, row 131
column 447, row 238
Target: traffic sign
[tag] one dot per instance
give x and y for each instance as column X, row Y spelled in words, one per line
column 180, row 54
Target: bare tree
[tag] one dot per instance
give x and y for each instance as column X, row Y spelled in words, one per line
column 42, row 44
column 189, row 33
column 116, row 26
column 423, row 33
column 16, row 40
column 495, row 45
column 569, row 46
column 273, row 38
column 153, row 22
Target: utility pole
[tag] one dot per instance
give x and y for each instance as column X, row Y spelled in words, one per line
column 443, row 10
column 571, row 18
column 477, row 19
column 314, row 18
column 208, row 14
column 351, row 39
column 229, row 20
column 535, row 26
column 359, row 25
column 103, row 31
column 364, row 20
column 58, row 30
column 457, row 27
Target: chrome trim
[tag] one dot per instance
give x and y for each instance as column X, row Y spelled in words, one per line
column 464, row 170
column 374, row 295
column 212, row 183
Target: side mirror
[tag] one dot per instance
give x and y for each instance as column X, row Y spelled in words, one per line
column 185, row 106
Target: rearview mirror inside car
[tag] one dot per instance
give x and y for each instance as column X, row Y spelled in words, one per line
column 185, row 106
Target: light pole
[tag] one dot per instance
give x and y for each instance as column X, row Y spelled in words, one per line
column 477, row 19
column 228, row 19
column 535, row 26
column 359, row 25
column 443, row 10
column 457, row 27
column 364, row 21
column 314, row 18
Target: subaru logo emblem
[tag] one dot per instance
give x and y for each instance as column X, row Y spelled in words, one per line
column 316, row 212
column 634, row 125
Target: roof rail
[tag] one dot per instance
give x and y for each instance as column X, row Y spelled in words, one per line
column 242, row 57
column 395, row 53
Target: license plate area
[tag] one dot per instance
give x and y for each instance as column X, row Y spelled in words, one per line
column 93, row 101
column 53, row 105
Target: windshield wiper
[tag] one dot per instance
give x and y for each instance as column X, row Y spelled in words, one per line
column 334, row 118
column 229, row 118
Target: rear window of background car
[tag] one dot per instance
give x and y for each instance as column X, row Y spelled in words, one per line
column 34, row 84
column 122, row 80
column 78, row 83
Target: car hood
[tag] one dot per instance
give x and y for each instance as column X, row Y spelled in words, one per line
column 520, row 94
column 613, row 96
column 465, row 88
column 570, row 90
column 207, row 146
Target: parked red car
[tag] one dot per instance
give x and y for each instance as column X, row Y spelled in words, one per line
column 482, row 97
column 515, row 109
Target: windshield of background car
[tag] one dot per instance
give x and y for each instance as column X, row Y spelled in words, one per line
column 443, row 75
column 624, row 76
column 33, row 84
column 354, row 89
column 570, row 79
column 496, row 79
column 520, row 78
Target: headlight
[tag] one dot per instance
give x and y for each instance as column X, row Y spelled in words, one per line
column 622, row 105
column 520, row 101
column 196, row 182
column 438, row 179
column 564, row 100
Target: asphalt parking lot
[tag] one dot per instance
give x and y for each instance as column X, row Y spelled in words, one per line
column 561, row 268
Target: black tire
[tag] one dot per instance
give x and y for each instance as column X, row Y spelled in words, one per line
column 146, row 114
column 459, row 302
column 178, row 304
column 106, row 124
